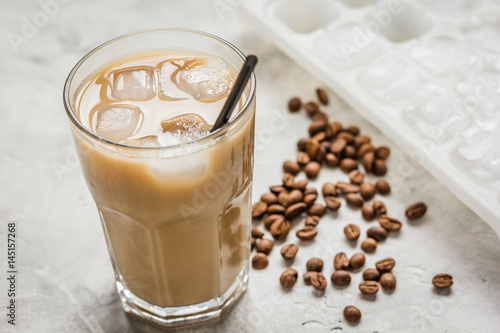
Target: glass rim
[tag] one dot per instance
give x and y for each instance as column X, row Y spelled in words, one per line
column 209, row 137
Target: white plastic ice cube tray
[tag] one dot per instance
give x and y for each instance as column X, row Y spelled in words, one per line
column 426, row 73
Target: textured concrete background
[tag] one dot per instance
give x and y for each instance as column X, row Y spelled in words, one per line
column 66, row 282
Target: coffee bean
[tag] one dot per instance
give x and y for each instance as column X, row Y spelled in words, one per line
column 416, row 210
column 303, row 158
column 275, row 209
column 388, row 281
column 442, row 281
column 389, row 223
column 321, row 136
column 320, row 116
column 314, row 264
column 369, row 287
column 307, row 277
column 352, row 314
column 259, row 209
column 317, row 209
column 296, row 196
column 367, row 212
column 280, row 229
column 288, row 278
column 259, row 261
column 354, row 130
column 288, row 180
column 347, row 136
column 367, row 190
column 301, row 144
column 338, row 146
column 331, row 160
column 271, row 219
column 357, row 261
column 354, row 199
column 287, row 199
column 356, row 177
column 289, row 251
column 346, row 188
column 317, row 127
column 269, row 198
column 328, row 136
column 364, row 149
column 336, row 127
column 332, row 203
column 371, row 274
column 383, row 187
column 361, row 140
column 309, row 199
column 311, row 108
column 291, row 167
column 350, row 151
column 352, row 232
column 277, row 189
column 284, row 199
column 306, row 233
column 318, row 281
column 301, row 184
column 294, row 104
column 312, row 220
column 369, row 245
column 340, row 261
column 379, row 167
column 377, row 233
column 382, row 152
column 253, row 242
column 329, row 189
column 312, row 169
column 295, row 210
column 385, row 265
column 265, row 246
column 310, row 190
column 322, row 96
column 341, row 278
column 379, row 207
column 256, row 233
column 348, row 164
column 312, row 148
column 368, row 161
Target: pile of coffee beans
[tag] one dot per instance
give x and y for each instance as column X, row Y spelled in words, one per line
column 332, row 145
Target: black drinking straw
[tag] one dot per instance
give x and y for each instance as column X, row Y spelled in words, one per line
column 235, row 94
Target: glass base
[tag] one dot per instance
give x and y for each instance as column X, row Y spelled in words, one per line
column 209, row 310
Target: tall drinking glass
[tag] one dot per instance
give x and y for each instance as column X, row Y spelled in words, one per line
column 175, row 218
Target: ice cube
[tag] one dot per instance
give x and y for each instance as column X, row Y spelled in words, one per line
column 484, row 31
column 443, row 55
column 145, row 141
column 206, row 79
column 133, row 83
column 476, row 153
column 481, row 89
column 186, row 127
column 347, row 46
column 117, row 122
column 390, row 80
column 181, row 169
column 453, row 10
column 168, row 70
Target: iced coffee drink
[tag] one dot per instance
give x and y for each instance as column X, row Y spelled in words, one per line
column 173, row 198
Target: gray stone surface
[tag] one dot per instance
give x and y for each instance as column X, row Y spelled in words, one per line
column 65, row 279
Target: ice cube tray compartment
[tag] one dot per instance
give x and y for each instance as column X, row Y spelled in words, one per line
column 431, row 67
column 306, row 16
